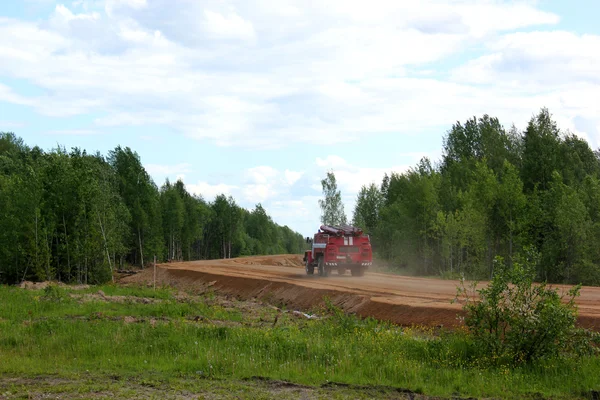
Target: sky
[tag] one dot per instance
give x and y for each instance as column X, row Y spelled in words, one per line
column 259, row 99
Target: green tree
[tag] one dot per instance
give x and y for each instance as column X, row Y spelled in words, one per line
column 366, row 210
column 510, row 205
column 141, row 196
column 75, row 217
column 541, row 151
column 173, row 215
column 332, row 207
column 406, row 229
column 577, row 160
column 226, row 224
column 260, row 228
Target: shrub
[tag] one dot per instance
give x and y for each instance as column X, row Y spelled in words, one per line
column 516, row 321
column 55, row 293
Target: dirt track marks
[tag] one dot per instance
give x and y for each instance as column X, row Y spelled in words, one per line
column 400, row 299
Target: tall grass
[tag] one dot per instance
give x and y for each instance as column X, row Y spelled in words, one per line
column 40, row 336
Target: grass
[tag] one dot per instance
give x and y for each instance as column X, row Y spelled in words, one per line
column 171, row 340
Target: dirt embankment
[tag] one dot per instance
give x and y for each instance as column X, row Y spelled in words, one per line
column 281, row 280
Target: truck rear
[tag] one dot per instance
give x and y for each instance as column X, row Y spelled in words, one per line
column 339, row 248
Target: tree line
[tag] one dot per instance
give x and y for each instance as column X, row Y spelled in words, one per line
column 495, row 192
column 77, row 217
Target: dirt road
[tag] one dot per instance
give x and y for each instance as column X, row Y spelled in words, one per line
column 281, row 279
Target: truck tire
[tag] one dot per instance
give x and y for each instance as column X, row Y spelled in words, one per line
column 358, row 270
column 322, row 270
column 310, row 269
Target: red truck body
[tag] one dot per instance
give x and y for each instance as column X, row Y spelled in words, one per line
column 339, row 248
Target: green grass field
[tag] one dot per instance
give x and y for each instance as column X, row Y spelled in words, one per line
column 131, row 339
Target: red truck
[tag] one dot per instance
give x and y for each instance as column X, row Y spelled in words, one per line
column 339, row 248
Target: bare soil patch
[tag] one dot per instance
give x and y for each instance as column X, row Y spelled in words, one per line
column 106, row 387
column 28, row 285
column 100, row 296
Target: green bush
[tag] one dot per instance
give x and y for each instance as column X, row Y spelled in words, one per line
column 55, row 293
column 516, row 321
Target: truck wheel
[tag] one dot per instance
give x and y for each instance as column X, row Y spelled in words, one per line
column 310, row 269
column 322, row 270
column 358, row 270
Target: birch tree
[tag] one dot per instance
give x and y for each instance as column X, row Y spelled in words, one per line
column 332, row 207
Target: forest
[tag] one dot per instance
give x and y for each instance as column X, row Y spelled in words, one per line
column 78, row 217
column 495, row 192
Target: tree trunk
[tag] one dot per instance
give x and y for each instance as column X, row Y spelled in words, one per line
column 106, row 247
column 510, row 247
column 58, row 268
column 510, row 241
column 141, row 247
column 173, row 245
column 36, row 248
column 489, row 257
column 55, row 234
column 67, row 242
column 48, row 255
column 36, row 239
column 451, row 260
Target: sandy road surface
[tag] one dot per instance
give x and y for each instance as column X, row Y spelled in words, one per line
column 400, row 299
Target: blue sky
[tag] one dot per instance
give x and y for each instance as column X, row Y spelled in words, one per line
column 258, row 99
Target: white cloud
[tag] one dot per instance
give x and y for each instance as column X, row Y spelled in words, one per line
column 256, row 74
column 258, row 193
column 230, row 26
column 332, row 161
column 350, row 178
column 114, row 5
column 528, row 70
column 168, row 170
column 536, row 60
column 292, row 177
column 265, row 182
column 262, row 174
column 63, row 15
column 208, row 191
column 301, row 214
column 293, row 210
column 486, row 17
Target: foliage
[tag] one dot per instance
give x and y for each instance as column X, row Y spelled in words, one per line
column 514, row 321
column 76, row 217
column 55, row 293
column 332, row 208
column 368, row 204
column 493, row 192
